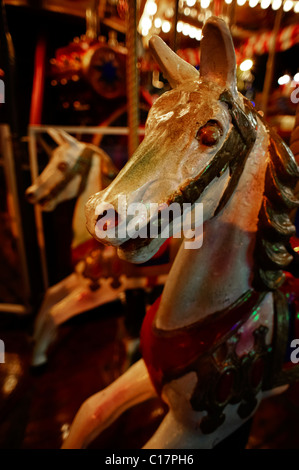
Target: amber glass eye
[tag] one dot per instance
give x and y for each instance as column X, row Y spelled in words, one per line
column 62, row 166
column 209, row 134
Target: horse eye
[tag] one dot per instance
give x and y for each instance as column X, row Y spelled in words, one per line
column 62, row 166
column 209, row 134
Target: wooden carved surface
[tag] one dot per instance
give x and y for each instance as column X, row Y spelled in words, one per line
column 36, row 409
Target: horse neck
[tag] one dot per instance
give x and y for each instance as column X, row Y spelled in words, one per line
column 209, row 279
column 93, row 185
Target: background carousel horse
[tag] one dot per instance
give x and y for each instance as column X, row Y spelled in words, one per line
column 79, row 170
column 214, row 345
column 75, row 170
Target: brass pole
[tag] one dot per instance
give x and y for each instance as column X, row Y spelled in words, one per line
column 132, row 77
column 271, row 62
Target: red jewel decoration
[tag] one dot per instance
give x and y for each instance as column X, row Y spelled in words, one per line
column 257, row 372
column 225, row 386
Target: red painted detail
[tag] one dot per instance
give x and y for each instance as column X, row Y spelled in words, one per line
column 93, row 268
column 225, row 386
column 169, row 353
column 82, row 250
column 257, row 372
column 38, row 83
column 162, row 249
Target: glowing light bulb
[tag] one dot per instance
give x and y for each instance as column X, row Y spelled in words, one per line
column 146, row 23
column 253, row 3
column 284, row 80
column 166, row 26
column 205, row 3
column 265, row 4
column 296, row 8
column 198, row 35
column 192, row 32
column 228, row 2
column 187, row 11
column 158, row 22
column 246, row 65
column 151, row 8
column 276, row 4
column 179, row 27
column 296, row 77
column 185, row 29
column 241, row 2
column 288, row 5
column 191, row 3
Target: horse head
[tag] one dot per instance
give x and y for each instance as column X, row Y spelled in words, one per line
column 189, row 146
column 65, row 176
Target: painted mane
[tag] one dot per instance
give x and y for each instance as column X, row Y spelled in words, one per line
column 273, row 252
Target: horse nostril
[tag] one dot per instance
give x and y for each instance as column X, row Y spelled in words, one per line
column 108, row 220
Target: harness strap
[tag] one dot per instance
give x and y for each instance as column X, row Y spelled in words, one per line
column 171, row 354
column 233, row 154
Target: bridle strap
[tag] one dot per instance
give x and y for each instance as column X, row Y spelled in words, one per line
column 245, row 127
column 233, row 155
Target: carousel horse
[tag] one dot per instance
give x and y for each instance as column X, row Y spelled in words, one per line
column 214, row 344
column 75, row 170
column 79, row 170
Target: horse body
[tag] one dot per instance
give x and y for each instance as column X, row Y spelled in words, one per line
column 213, row 346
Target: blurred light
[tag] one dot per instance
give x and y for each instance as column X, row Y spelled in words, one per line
column 228, row 2
column 246, row 65
column 187, row 11
column 276, row 4
column 284, row 80
column 166, row 26
column 296, row 8
column 192, row 32
column 151, row 8
column 169, row 13
column 185, row 29
column 179, row 27
column 253, row 3
column 205, row 3
column 296, row 77
column 191, row 3
column 265, row 4
column 158, row 23
column 199, row 35
column 241, row 2
column 288, row 5
column 144, row 32
column 146, row 23
column 193, row 12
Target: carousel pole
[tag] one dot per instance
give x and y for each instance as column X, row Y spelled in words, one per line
column 174, row 37
column 271, row 62
column 132, row 77
column 14, row 150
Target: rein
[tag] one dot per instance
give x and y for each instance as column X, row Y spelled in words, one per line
column 81, row 167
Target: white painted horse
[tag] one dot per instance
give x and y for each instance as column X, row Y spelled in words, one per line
column 79, row 170
column 213, row 346
column 75, row 170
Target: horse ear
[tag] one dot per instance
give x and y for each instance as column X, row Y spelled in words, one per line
column 174, row 69
column 56, row 136
column 61, row 137
column 218, row 60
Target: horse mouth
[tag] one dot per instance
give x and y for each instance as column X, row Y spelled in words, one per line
column 140, row 250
